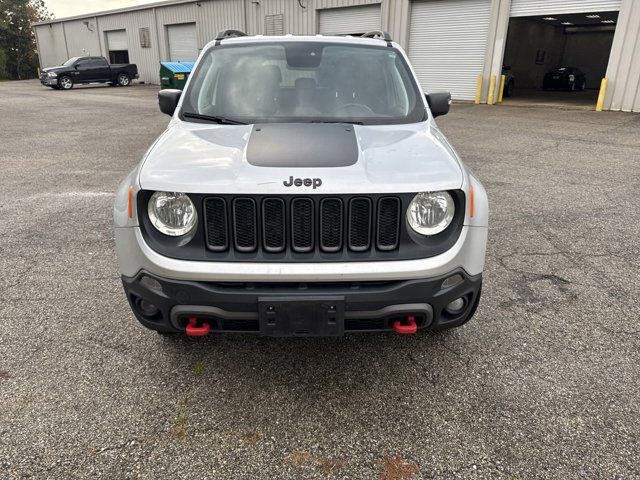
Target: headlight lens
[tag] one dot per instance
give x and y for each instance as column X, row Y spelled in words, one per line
column 52, row 74
column 430, row 213
column 172, row 213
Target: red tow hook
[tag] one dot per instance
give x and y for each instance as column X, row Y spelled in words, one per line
column 193, row 330
column 408, row 329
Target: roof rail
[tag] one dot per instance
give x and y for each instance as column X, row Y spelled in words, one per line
column 379, row 34
column 229, row 34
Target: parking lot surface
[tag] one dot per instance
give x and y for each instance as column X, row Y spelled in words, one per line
column 542, row 383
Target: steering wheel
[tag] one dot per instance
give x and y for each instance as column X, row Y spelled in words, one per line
column 363, row 108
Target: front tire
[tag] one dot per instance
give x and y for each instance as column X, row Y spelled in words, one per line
column 65, row 83
column 124, row 80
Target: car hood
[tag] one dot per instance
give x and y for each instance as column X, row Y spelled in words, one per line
column 269, row 159
column 54, row 69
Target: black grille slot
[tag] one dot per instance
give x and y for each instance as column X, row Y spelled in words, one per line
column 217, row 229
column 302, row 224
column 388, row 224
column 273, row 225
column 359, row 224
column 331, row 220
column 244, row 224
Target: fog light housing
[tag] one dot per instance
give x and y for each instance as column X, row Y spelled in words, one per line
column 147, row 309
column 456, row 306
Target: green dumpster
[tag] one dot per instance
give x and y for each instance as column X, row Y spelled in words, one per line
column 174, row 74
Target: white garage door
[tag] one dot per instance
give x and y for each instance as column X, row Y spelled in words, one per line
column 117, row 40
column 526, row 8
column 447, row 44
column 350, row 20
column 183, row 43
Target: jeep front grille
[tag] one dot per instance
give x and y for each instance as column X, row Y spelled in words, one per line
column 299, row 225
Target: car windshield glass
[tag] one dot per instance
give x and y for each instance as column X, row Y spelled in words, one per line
column 71, row 61
column 305, row 82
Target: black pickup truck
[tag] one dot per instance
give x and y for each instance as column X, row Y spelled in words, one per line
column 88, row 70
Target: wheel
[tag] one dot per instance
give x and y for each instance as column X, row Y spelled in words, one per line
column 124, row 80
column 508, row 92
column 65, row 83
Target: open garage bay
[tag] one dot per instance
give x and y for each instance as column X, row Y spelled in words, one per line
column 543, row 382
column 558, row 59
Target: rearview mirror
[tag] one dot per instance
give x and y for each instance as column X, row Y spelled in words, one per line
column 168, row 100
column 439, row 103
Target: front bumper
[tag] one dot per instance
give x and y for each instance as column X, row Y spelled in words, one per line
column 135, row 255
column 234, row 306
column 48, row 81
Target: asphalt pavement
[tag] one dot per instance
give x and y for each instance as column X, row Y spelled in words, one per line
column 544, row 382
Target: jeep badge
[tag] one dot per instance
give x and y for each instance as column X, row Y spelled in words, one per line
column 299, row 182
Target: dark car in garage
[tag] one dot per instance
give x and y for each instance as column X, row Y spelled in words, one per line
column 564, row 78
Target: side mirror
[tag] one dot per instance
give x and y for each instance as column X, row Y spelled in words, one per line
column 439, row 103
column 168, row 100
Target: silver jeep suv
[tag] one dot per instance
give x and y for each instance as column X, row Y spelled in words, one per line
column 301, row 188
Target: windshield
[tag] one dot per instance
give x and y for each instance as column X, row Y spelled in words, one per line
column 70, row 62
column 304, row 82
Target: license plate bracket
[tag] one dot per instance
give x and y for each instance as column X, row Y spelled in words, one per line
column 301, row 316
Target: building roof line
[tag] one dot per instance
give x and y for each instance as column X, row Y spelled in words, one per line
column 146, row 6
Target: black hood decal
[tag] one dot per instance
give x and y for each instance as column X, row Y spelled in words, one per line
column 302, row 145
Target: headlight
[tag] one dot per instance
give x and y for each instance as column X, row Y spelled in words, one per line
column 172, row 213
column 430, row 213
column 52, row 74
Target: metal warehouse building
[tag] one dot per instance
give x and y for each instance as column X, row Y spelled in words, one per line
column 451, row 43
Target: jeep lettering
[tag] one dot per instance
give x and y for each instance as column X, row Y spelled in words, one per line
column 307, row 182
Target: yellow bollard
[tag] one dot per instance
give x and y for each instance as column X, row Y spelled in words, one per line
column 603, row 92
column 492, row 91
column 501, row 89
column 479, row 90
column 39, row 72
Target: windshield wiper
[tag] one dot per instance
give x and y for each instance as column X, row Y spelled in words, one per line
column 336, row 121
column 211, row 118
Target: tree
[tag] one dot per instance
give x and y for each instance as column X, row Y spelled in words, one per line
column 18, row 58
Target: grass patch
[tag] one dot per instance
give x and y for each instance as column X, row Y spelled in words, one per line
column 198, row 368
